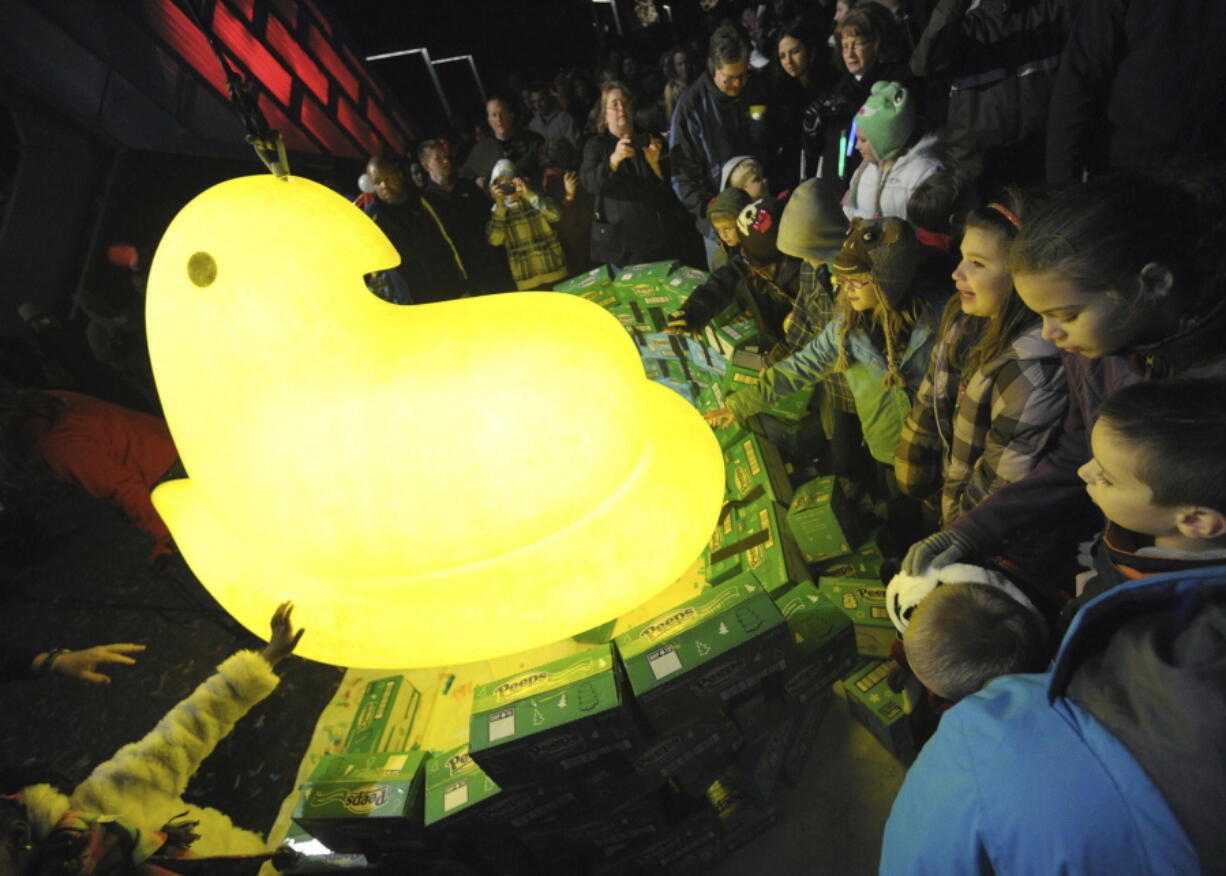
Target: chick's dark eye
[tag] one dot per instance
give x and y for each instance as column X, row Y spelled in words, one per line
column 869, row 236
column 201, row 269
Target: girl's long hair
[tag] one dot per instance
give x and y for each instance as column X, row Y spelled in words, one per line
column 889, row 326
column 984, row 339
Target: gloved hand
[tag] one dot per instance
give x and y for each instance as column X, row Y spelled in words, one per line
column 679, row 324
column 936, row 551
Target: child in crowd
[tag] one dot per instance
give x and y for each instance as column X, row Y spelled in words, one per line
column 1158, row 474
column 757, row 276
column 880, row 341
column 995, row 392
column 934, row 208
column 129, row 815
column 896, row 155
column 522, row 220
column 745, row 172
column 965, row 630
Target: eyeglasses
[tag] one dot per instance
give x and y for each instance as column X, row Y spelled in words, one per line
column 855, row 46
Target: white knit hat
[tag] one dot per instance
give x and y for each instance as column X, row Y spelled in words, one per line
column 503, row 167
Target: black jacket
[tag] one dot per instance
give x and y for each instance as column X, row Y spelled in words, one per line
column 632, row 206
column 767, row 301
column 999, row 61
column 1141, row 84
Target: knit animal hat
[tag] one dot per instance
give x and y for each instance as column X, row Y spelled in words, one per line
column 887, row 119
column 886, row 249
column 905, row 592
column 813, row 225
column 503, row 167
column 758, row 225
column 729, row 201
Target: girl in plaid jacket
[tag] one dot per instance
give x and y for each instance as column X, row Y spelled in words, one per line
column 995, row 393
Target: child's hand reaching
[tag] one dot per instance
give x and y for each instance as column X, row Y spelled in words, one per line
column 284, row 639
column 720, row 418
column 179, row 836
column 83, row 664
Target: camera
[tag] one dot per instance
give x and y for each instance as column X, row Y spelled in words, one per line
column 506, row 188
column 640, row 140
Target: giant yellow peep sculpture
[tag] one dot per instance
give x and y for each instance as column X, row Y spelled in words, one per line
column 430, row 484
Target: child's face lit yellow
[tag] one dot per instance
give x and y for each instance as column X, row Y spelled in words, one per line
column 861, row 291
column 725, row 227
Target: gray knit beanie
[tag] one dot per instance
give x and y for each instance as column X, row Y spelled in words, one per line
column 814, row 225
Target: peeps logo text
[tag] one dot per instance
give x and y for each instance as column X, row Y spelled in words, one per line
column 361, row 801
column 666, row 625
column 519, row 685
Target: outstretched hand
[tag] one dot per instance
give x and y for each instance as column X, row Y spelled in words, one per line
column 284, row 640
column 83, row 664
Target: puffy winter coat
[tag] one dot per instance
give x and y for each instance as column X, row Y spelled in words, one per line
column 871, row 195
column 633, row 206
column 999, row 58
column 1111, row 763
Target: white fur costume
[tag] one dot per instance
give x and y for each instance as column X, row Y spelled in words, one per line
column 143, row 783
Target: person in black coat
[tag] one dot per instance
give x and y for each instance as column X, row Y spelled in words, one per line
column 869, row 47
column 625, row 174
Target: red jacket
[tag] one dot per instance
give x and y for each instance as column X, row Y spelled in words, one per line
column 113, row 452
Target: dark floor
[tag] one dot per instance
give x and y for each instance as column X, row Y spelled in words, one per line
column 94, row 586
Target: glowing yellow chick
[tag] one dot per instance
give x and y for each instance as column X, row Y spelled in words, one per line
column 430, row 484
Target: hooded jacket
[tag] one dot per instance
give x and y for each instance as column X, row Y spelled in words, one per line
column 967, row 438
column 881, row 409
column 1110, row 763
column 871, row 195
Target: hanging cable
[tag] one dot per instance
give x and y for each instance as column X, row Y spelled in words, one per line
column 267, row 142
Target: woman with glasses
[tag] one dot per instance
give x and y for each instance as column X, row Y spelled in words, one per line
column 624, row 171
column 869, row 46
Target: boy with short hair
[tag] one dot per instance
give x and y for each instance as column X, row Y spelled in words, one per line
column 1158, row 474
column 962, row 636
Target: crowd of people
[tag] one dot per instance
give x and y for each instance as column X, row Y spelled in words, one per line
column 991, row 234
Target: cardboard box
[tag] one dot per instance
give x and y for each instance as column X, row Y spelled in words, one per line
column 639, row 281
column 384, row 716
column 696, row 658
column 455, row 786
column 587, row 283
column 879, row 709
column 864, row 562
column 863, row 601
column 685, row 280
column 553, row 721
column 753, row 461
column 803, row 738
column 368, row 803
column 709, row 739
column 711, row 398
column 739, row 333
column 824, row 643
column 597, row 635
column 741, row 813
column 822, row 521
column 752, row 539
column 686, row 390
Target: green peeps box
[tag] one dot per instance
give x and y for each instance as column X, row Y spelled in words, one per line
column 752, row 538
column 364, row 803
column 864, row 562
column 703, row 745
column 879, row 709
column 753, row 461
column 455, row 787
column 555, row 720
column 824, row 643
column 384, row 716
column 597, row 635
column 642, row 281
column 863, row 601
column 696, row 658
column 822, row 521
column 740, row 333
column 586, row 283
column 685, row 280
column 711, row 398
